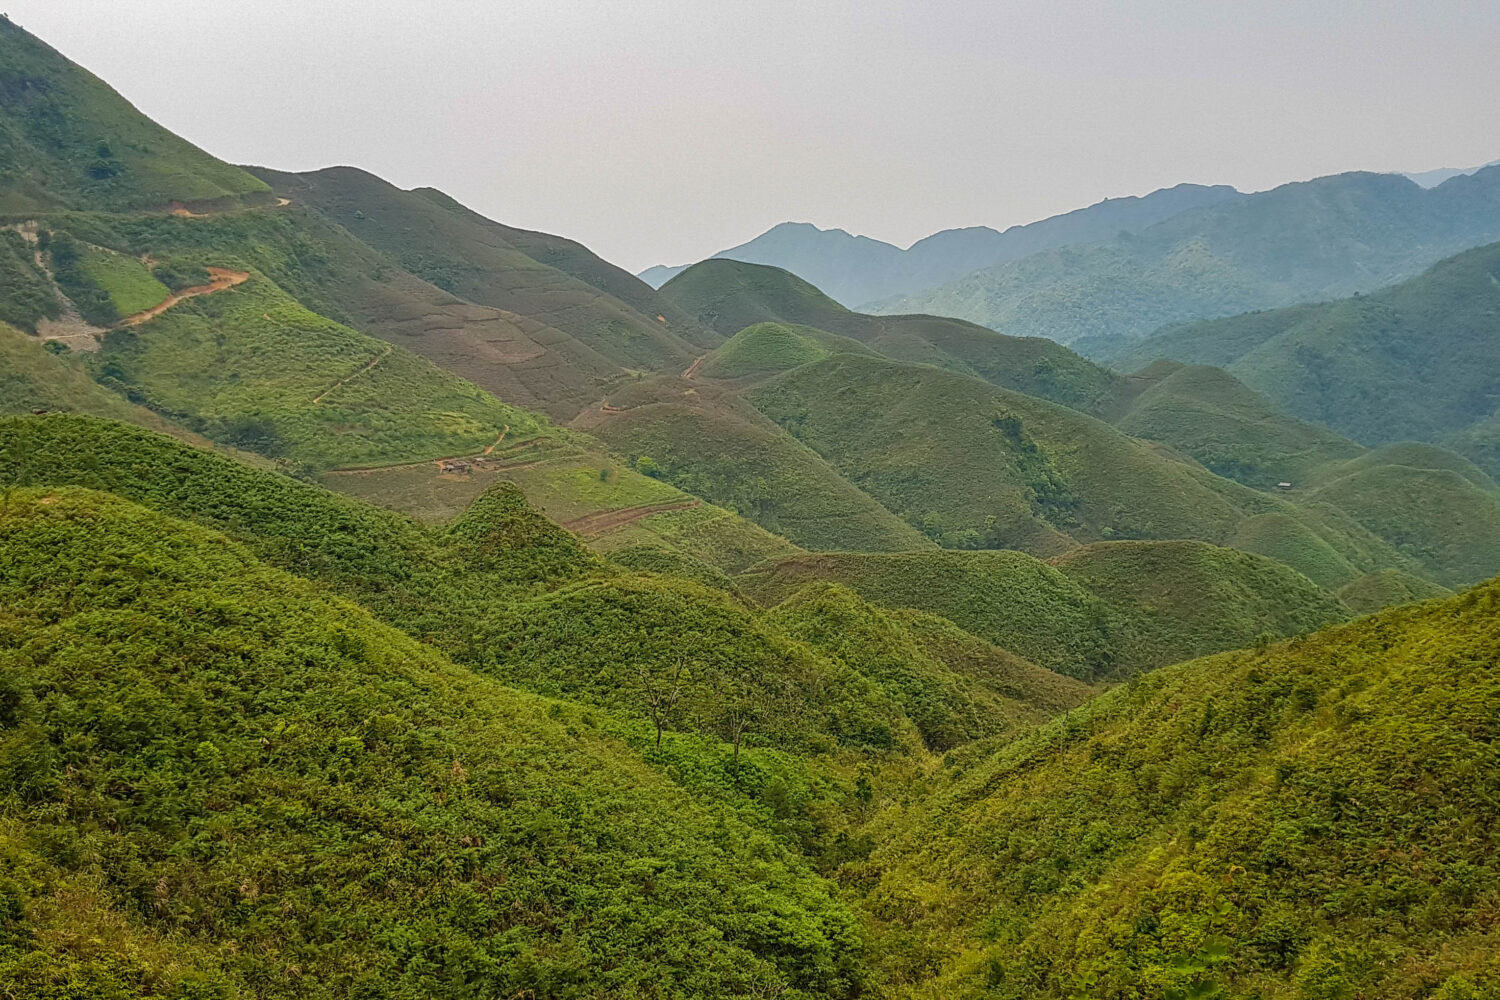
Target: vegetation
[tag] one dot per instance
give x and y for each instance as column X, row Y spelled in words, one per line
column 26, row 295
column 1315, row 818
column 68, row 140
column 1301, row 242
column 729, row 296
column 769, row 348
column 1206, row 414
column 1413, row 361
column 200, row 749
column 1386, row 589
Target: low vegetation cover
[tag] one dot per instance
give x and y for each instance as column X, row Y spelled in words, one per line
column 1313, row 818
column 198, row 749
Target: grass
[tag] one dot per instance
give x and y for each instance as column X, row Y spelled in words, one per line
column 1315, row 818
column 26, row 295
column 128, row 282
column 1207, row 414
column 1386, row 589
column 768, row 348
column 252, row 368
column 68, row 140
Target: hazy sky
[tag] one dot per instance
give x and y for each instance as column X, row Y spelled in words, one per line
column 660, row 131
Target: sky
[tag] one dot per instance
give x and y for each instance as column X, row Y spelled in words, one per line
column 661, row 131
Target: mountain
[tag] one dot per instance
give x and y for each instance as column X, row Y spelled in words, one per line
column 1414, row 361
column 1432, row 178
column 857, row 269
column 1308, row 818
column 1320, row 239
column 68, row 141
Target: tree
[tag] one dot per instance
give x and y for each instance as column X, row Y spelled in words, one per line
column 661, row 692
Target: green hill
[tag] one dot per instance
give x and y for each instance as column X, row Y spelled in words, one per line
column 1314, row 819
column 264, row 764
column 769, row 348
column 1104, row 611
column 1189, row 599
column 1415, row 361
column 1386, row 589
column 69, row 141
column 1207, row 414
column 729, row 296
column 1334, row 236
column 459, row 251
column 715, row 446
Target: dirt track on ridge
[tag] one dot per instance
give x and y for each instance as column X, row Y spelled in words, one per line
column 222, row 279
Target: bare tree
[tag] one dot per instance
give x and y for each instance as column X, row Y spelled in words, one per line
column 661, row 694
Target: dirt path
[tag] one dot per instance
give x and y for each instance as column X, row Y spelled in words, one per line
column 221, row 279
column 345, row 381
column 597, row 524
column 693, row 368
column 491, row 449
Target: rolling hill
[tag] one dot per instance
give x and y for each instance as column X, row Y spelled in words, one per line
column 729, row 296
column 1415, row 361
column 1314, row 240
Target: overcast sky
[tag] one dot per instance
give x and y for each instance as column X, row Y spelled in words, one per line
column 660, row 131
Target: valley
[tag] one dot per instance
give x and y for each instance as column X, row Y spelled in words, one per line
column 397, row 603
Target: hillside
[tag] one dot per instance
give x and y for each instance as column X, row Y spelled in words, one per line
column 1106, row 611
column 1208, row 415
column 1316, row 818
column 69, row 141
column 770, row 348
column 1314, row 240
column 729, row 296
column 263, row 762
column 1413, row 361
column 857, row 269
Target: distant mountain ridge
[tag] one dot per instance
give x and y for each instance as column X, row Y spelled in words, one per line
column 854, row 270
column 1326, row 238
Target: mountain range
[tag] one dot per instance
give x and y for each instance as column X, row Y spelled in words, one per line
column 395, row 603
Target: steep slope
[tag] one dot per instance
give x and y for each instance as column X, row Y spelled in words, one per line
column 266, row 765
column 1207, row 414
column 1386, row 589
column 857, row 269
column 1319, row 239
column 1414, row 361
column 69, row 141
column 729, row 296
column 440, row 241
column 1317, row 818
column 770, row 348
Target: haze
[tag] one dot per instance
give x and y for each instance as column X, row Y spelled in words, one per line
column 660, row 131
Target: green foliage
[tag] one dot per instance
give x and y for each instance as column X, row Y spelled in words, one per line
column 130, row 285
column 250, row 367
column 1388, row 588
column 1317, row 818
column 223, row 753
column 26, row 296
column 1207, row 414
column 768, row 348
column 729, row 296
column 72, row 267
column 67, row 139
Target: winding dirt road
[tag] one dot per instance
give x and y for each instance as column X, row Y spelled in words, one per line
column 222, row 278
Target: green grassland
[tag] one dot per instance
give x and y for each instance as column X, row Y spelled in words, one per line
column 1412, row 361
column 1387, row 589
column 128, row 282
column 769, row 348
column 68, row 140
column 252, row 368
column 1316, row 819
column 264, row 763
